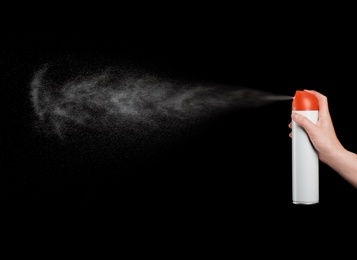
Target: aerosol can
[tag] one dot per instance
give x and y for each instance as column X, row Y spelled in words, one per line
column 305, row 162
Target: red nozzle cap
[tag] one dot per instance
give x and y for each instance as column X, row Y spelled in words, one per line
column 304, row 100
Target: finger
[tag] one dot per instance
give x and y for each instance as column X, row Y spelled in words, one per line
column 303, row 121
column 323, row 103
column 290, row 125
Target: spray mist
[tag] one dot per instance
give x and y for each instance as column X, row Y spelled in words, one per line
column 305, row 162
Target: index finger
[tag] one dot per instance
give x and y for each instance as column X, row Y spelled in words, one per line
column 323, row 103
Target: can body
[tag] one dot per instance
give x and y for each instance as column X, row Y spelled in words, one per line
column 305, row 163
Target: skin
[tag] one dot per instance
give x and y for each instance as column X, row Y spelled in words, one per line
column 323, row 137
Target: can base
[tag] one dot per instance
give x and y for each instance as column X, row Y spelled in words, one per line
column 305, row 202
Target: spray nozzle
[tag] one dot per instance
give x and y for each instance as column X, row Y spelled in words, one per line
column 304, row 100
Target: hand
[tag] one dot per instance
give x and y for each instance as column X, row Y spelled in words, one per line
column 322, row 134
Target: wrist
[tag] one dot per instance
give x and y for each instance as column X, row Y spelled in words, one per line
column 334, row 155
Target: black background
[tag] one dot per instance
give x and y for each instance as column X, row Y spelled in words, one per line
column 235, row 166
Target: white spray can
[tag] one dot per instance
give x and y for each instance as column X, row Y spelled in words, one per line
column 305, row 162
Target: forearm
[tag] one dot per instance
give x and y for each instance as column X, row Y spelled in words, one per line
column 345, row 163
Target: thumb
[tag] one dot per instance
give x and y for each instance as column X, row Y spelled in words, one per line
column 304, row 122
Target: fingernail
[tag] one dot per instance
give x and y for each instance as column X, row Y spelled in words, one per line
column 295, row 115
